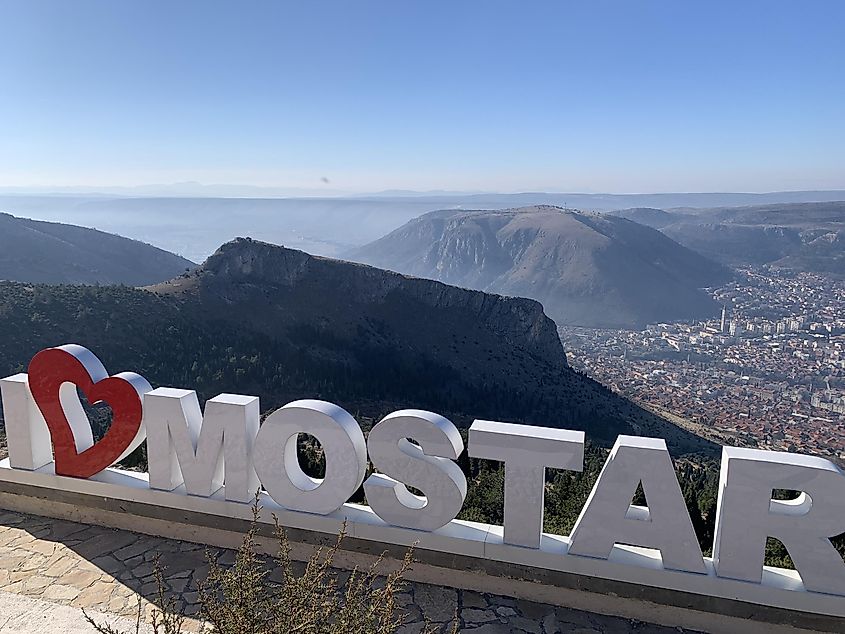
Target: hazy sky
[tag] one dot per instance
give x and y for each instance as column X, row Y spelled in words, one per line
column 590, row 96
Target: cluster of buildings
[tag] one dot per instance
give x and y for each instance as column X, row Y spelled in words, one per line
column 768, row 373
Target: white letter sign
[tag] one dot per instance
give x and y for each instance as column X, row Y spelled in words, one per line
column 747, row 515
column 418, row 489
column 277, row 462
column 203, row 451
column 526, row 452
column 26, row 432
column 426, row 466
column 608, row 517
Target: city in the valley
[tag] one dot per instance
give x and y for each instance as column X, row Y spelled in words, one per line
column 768, row 372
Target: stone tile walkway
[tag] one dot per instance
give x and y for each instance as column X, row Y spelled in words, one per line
column 108, row 570
column 20, row 614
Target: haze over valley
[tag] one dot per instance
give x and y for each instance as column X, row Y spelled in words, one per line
column 193, row 226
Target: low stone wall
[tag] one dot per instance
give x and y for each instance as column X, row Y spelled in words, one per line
column 489, row 596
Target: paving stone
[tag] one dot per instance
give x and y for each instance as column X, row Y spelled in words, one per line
column 34, row 562
column 227, row 558
column 524, row 624
column 43, row 547
column 19, row 575
column 10, row 519
column 38, row 582
column 505, row 611
column 178, row 585
column 490, row 628
column 470, row 599
column 533, row 610
column 116, row 604
column 149, row 589
column 139, row 547
column 80, row 578
column 192, row 609
column 144, row 570
column 437, row 604
column 189, row 546
column 93, row 596
column 108, row 563
column 39, row 532
column 60, row 531
column 475, row 616
column 107, row 542
column 11, row 562
column 60, row 592
column 7, row 536
column 550, row 624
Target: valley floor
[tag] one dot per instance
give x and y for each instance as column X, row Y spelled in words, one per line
column 769, row 374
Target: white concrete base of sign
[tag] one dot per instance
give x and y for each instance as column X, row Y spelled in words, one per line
column 475, row 552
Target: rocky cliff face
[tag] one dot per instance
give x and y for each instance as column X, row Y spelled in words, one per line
column 586, row 269
column 274, row 290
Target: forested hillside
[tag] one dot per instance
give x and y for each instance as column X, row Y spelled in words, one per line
column 259, row 319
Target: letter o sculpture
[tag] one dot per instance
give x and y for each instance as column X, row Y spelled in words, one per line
column 343, row 445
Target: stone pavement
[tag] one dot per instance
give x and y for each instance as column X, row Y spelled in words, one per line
column 20, row 614
column 49, row 562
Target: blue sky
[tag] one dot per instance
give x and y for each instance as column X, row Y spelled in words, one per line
column 503, row 96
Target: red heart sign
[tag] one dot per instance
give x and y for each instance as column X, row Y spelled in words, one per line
column 54, row 375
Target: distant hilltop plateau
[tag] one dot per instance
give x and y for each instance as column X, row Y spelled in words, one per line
column 261, row 319
column 193, row 220
column 586, row 269
column 53, row 253
column 801, row 236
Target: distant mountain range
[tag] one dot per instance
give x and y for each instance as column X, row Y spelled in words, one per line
column 586, row 269
column 35, row 251
column 261, row 319
column 193, row 220
column 802, row 236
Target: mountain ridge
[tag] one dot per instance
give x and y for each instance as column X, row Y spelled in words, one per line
column 50, row 252
column 242, row 268
column 586, row 269
column 801, row 236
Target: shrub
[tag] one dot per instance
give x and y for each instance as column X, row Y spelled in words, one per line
column 242, row 598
